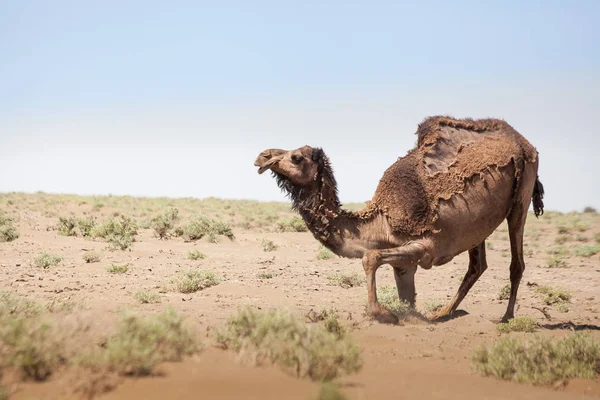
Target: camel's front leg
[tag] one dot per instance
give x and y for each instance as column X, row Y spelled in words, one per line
column 408, row 255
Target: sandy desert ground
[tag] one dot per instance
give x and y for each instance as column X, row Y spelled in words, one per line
column 414, row 359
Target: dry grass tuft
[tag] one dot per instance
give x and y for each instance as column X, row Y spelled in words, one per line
column 518, row 324
column 324, row 253
column 196, row 255
column 118, row 269
column 347, row 280
column 268, row 245
column 46, row 260
column 194, row 280
column 91, row 257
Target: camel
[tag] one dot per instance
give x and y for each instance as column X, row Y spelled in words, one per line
column 444, row 197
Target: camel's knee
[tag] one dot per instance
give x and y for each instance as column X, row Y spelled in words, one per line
column 371, row 260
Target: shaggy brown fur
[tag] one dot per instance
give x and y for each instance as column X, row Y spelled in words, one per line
column 449, row 152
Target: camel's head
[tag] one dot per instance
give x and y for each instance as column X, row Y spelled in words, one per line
column 300, row 167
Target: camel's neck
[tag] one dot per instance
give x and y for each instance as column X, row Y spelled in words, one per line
column 341, row 231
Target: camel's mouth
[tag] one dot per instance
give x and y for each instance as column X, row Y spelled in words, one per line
column 267, row 159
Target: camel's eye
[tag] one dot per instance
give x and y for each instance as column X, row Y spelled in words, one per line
column 296, row 159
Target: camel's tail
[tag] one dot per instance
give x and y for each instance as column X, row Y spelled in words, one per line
column 538, row 195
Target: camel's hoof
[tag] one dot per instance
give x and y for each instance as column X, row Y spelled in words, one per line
column 505, row 319
column 384, row 316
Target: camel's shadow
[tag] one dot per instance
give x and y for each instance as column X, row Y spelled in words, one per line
column 571, row 326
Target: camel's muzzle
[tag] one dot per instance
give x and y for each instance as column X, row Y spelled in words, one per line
column 268, row 158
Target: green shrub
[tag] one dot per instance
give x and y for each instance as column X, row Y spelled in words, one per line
column 292, row 224
column 433, row 305
column 146, row 297
column 118, row 232
column 8, row 232
column 540, row 361
column 504, row 293
column 557, row 262
column 29, row 345
column 196, row 255
column 268, row 245
column 66, row 226
column 554, row 297
column 91, row 257
column 324, row 253
column 278, row 337
column 329, row 391
column 201, row 226
column 518, row 324
column 194, row 280
column 86, row 226
column 347, row 280
column 118, row 269
column 265, row 275
column 141, row 343
column 388, row 298
column 587, row 250
column 46, row 260
column 13, row 304
column 163, row 224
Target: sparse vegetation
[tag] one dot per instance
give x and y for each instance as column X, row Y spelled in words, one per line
column 557, row 262
column 265, row 275
column 268, row 245
column 118, row 232
column 91, row 257
column 330, row 391
column 292, row 224
column 163, row 224
column 13, row 304
column 324, row 253
column 280, row 338
column 46, row 260
column 118, row 269
column 194, row 280
column 589, row 210
column 388, row 298
column 86, row 226
column 141, row 343
column 196, row 255
column 504, row 293
column 587, row 250
column 539, row 360
column 67, row 226
column 202, row 226
column 597, row 237
column 433, row 305
column 518, row 324
column 347, row 280
column 559, row 250
column 8, row 232
column 147, row 297
column 554, row 297
column 30, row 345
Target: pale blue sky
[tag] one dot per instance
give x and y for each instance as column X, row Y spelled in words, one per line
column 177, row 98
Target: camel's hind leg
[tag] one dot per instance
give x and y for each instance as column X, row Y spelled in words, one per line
column 477, row 266
column 405, row 282
column 516, row 225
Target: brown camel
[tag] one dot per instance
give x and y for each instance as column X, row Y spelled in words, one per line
column 446, row 196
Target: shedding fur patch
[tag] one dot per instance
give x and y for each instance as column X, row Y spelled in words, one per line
column 449, row 152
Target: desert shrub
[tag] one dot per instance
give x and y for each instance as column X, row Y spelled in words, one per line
column 324, row 253
column 265, row 275
column 539, row 360
column 67, row 226
column 292, row 224
column 587, row 250
column 86, row 226
column 347, row 280
column 581, row 238
column 563, row 230
column 13, row 304
column 597, row 237
column 561, row 239
column 46, row 260
column 268, row 245
column 504, row 293
column 590, row 210
column 8, row 232
column 558, row 251
column 280, row 338
column 163, row 224
column 557, row 262
column 201, row 226
column 91, row 257
column 194, row 280
column 119, row 232
column 518, row 324
column 147, row 297
column 141, row 343
column 118, row 269
column 196, row 255
column 388, row 298
column 554, row 297
column 29, row 345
